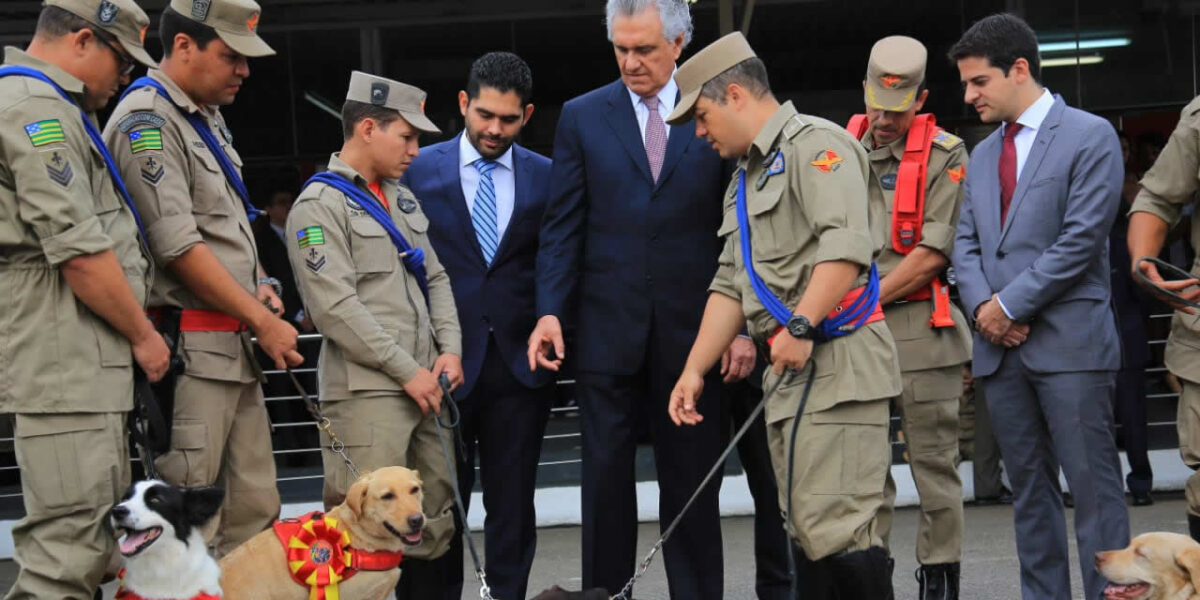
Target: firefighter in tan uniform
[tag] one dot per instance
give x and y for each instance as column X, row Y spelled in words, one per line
column 798, row 203
column 170, row 143
column 917, row 217
column 1168, row 188
column 75, row 275
column 371, row 282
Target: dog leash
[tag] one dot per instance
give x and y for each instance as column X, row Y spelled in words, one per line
column 791, row 466
column 625, row 593
column 455, row 417
column 1164, row 294
column 323, row 423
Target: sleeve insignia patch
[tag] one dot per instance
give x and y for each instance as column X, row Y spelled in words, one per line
column 58, row 167
column 45, row 132
column 957, row 172
column 140, row 118
column 310, row 236
column 314, row 261
column 827, row 161
column 145, row 139
column 152, row 170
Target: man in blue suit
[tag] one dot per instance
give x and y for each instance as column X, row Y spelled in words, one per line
column 1032, row 266
column 629, row 246
column 485, row 196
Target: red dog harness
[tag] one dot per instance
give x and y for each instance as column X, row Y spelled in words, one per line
column 124, row 594
column 319, row 555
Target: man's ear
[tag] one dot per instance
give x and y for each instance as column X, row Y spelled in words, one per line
column 202, row 504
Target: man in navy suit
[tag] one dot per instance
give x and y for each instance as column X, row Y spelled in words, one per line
column 485, row 196
column 1032, row 266
column 629, row 246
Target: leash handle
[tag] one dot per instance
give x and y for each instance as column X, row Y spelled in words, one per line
column 1158, row 290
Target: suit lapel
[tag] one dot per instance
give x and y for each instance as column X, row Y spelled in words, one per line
column 677, row 145
column 522, row 194
column 623, row 121
column 449, row 174
column 1033, row 162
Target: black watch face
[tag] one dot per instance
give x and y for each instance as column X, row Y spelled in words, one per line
column 798, row 327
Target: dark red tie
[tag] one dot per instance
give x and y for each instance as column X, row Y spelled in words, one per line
column 1008, row 168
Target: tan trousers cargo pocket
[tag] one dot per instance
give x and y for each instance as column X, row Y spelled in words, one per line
column 189, row 462
column 65, row 460
column 358, row 437
column 846, row 449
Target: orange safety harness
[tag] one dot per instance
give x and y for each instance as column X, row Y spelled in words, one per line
column 908, row 205
column 124, row 594
column 319, row 555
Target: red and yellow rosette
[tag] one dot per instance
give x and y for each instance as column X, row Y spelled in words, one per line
column 317, row 555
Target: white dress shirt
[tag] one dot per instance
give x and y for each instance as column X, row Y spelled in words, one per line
column 502, row 178
column 666, row 104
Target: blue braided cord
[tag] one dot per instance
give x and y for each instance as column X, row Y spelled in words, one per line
column 97, row 141
column 201, row 126
column 413, row 258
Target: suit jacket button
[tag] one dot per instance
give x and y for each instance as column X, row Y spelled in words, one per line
column 999, row 254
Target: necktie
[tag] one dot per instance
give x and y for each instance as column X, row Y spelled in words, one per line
column 1008, row 168
column 656, row 137
column 483, row 217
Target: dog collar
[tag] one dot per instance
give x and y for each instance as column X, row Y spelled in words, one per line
column 124, row 594
column 319, row 555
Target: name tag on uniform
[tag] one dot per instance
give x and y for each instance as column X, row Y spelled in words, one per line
column 888, row 181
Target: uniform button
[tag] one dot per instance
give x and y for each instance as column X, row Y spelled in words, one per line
column 1000, row 254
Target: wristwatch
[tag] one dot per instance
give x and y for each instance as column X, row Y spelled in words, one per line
column 274, row 283
column 800, row 328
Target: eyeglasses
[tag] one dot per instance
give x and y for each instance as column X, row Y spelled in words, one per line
column 127, row 62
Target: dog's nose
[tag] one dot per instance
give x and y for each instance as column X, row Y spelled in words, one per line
column 119, row 512
column 416, row 522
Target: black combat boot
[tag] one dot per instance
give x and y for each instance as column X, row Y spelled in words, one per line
column 421, row 580
column 938, row 582
column 1194, row 526
column 815, row 582
column 861, row 575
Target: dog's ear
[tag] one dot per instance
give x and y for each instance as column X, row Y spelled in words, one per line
column 201, row 504
column 357, row 495
column 1189, row 559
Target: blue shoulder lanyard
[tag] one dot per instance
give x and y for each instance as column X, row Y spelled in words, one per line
column 413, row 258
column 97, row 141
column 201, row 126
column 846, row 321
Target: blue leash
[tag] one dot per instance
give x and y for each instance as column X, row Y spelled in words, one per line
column 97, row 141
column 201, row 126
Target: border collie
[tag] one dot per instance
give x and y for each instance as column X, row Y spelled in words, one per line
column 165, row 554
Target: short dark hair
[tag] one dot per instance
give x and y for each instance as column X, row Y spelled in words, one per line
column 503, row 72
column 1001, row 39
column 55, row 22
column 354, row 112
column 172, row 23
column 750, row 74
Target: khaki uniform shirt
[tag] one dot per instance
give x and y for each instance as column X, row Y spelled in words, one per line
column 184, row 199
column 57, row 202
column 814, row 211
column 377, row 327
column 1167, row 188
column 919, row 345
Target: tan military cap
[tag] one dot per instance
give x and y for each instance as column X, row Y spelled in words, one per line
column 235, row 21
column 895, row 72
column 405, row 99
column 713, row 60
column 122, row 18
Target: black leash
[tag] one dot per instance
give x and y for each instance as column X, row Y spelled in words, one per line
column 1158, row 290
column 791, row 466
column 453, row 419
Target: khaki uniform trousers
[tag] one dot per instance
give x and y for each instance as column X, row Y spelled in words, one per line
column 929, row 407
column 74, row 468
column 1187, row 422
column 841, row 461
column 222, row 436
column 386, row 431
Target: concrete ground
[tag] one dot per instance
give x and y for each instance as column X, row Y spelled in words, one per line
column 989, row 570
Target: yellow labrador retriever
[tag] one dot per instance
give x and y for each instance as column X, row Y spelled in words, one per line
column 1155, row 566
column 381, row 513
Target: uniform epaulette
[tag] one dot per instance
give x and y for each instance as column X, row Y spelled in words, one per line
column 947, row 140
column 793, row 126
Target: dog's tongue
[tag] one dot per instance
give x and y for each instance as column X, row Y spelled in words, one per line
column 1124, row 592
column 134, row 539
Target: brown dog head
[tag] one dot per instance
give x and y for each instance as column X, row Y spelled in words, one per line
column 386, row 505
column 1155, row 566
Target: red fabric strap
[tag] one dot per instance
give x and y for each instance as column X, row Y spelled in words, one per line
column 124, row 594
column 194, row 319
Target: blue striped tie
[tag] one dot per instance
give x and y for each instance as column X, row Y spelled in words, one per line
column 483, row 217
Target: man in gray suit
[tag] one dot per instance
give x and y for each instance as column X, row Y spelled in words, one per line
column 1032, row 263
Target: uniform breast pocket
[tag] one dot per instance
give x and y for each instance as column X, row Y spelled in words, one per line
column 768, row 227
column 102, row 186
column 209, row 190
column 372, row 248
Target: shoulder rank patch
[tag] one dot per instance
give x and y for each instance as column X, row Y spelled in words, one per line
column 310, row 236
column 138, row 118
column 45, row 132
column 793, row 126
column 957, row 172
column 315, row 261
column 145, row 139
column 152, row 170
column 947, row 140
column 827, row 161
column 58, row 167
column 406, row 204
